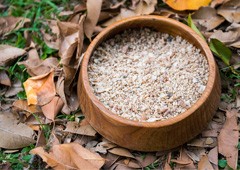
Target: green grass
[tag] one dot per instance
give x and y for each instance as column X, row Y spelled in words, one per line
column 17, row 160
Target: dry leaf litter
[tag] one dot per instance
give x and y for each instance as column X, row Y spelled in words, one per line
column 147, row 76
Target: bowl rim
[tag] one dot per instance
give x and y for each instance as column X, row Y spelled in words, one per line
column 161, row 123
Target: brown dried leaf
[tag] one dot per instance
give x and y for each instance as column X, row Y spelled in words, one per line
column 121, row 152
column 230, row 11
column 201, row 142
column 215, row 3
column 213, row 156
column 103, row 146
column 51, row 109
column 226, row 37
column 148, row 159
column 184, row 161
column 40, row 90
column 35, row 66
column 124, row 13
column 14, row 89
column 72, row 103
column 93, row 13
column 23, row 105
column 14, row 134
column 9, row 53
column 210, row 133
column 33, row 123
column 206, row 18
column 204, row 164
column 4, row 79
column 10, row 23
column 228, row 139
column 74, row 127
column 181, row 162
column 67, row 28
column 41, row 140
column 67, row 48
column 131, row 163
column 145, row 7
column 70, row 156
column 166, row 165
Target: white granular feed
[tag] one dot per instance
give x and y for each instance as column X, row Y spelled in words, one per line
column 144, row 75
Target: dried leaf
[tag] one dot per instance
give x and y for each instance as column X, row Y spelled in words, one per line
column 9, row 53
column 186, row 4
column 226, row 37
column 142, row 8
column 51, row 109
column 121, row 152
column 33, row 123
column 41, row 140
column 215, row 3
column 40, row 90
column 210, row 133
column 181, row 162
column 67, row 28
column 103, row 146
column 13, row 134
column 213, row 156
column 23, row 105
column 72, row 103
column 145, row 7
column 204, row 164
column 124, row 13
column 10, row 23
column 4, row 79
column 131, row 163
column 207, row 18
column 74, row 127
column 166, row 165
column 93, row 13
column 201, row 142
column 70, row 156
column 228, row 139
column 147, row 160
column 184, row 161
column 14, row 89
column 209, row 141
column 230, row 11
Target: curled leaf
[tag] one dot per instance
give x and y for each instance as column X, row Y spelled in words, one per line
column 93, row 13
column 40, row 90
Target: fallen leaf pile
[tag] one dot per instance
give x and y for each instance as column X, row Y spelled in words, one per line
column 49, row 115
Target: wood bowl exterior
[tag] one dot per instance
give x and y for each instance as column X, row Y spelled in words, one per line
column 150, row 136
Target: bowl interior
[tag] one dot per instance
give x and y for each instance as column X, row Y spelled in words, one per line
column 163, row 25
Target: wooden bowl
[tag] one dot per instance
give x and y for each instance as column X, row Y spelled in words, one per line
column 159, row 135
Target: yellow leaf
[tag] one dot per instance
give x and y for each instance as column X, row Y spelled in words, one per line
column 40, row 90
column 181, row 5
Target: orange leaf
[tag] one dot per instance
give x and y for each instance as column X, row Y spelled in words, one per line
column 70, row 156
column 51, row 109
column 40, row 90
column 181, row 5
